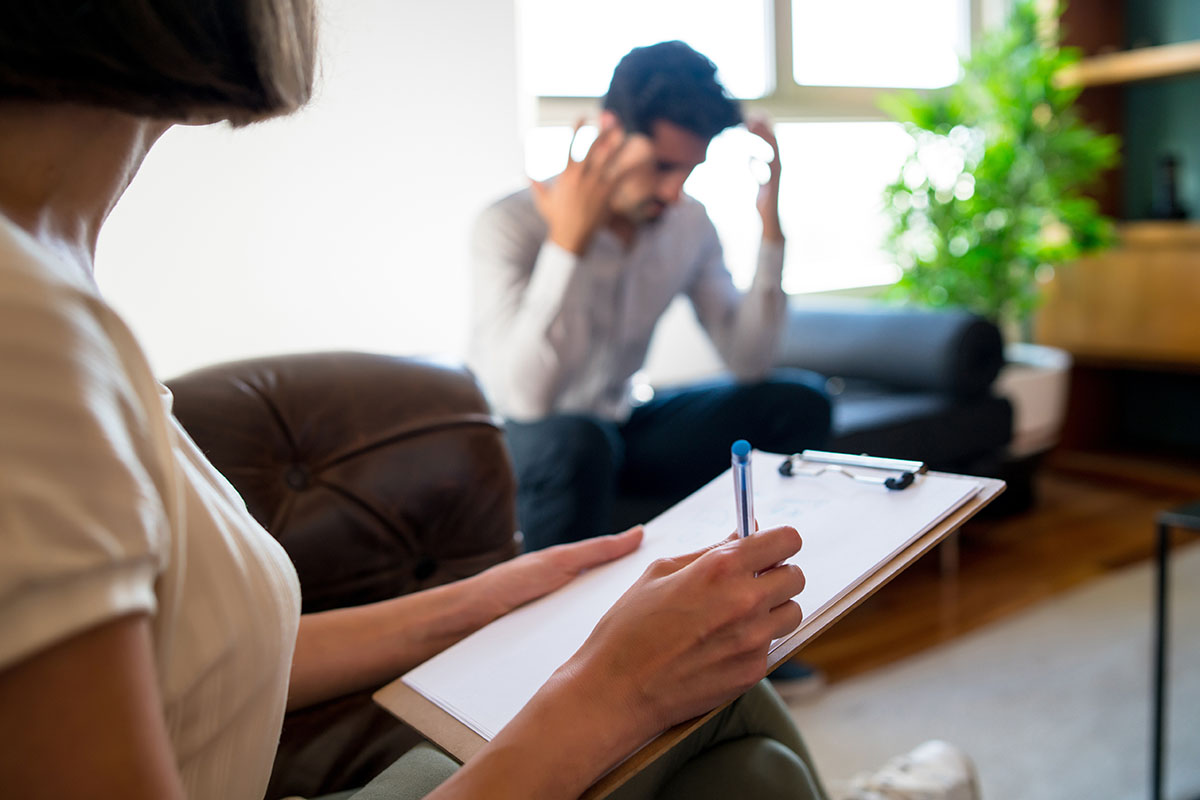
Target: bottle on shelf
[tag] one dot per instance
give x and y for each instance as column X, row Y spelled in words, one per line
column 1165, row 202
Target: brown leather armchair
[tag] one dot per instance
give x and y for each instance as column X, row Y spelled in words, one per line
column 380, row 475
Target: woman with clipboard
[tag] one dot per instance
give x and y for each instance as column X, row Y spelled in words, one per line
column 150, row 636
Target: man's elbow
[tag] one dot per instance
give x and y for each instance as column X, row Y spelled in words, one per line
column 526, row 410
column 524, row 400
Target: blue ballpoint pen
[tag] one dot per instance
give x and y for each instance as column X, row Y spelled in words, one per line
column 743, row 492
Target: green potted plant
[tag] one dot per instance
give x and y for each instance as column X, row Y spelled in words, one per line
column 992, row 198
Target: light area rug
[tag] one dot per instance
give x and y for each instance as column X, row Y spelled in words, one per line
column 1053, row 703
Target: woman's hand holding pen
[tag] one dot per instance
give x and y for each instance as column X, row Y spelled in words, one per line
column 691, row 633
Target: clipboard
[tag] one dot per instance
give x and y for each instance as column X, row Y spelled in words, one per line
column 462, row 742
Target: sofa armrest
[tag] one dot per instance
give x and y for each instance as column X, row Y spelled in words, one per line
column 950, row 352
column 379, row 475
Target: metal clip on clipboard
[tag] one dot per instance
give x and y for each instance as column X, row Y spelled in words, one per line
column 907, row 471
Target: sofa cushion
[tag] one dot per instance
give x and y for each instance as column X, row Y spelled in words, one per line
column 945, row 432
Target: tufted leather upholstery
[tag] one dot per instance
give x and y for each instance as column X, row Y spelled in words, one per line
column 380, row 475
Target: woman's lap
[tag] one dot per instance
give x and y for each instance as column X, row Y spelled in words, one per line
column 750, row 749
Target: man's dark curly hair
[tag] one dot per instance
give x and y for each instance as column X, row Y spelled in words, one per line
column 670, row 81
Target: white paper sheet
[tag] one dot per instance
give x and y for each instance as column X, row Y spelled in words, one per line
column 849, row 528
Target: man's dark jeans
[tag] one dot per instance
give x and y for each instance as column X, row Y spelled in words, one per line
column 578, row 476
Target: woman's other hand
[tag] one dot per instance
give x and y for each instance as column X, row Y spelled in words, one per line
column 532, row 575
column 348, row 649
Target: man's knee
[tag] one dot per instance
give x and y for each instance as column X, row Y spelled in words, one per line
column 792, row 408
column 564, row 448
column 803, row 392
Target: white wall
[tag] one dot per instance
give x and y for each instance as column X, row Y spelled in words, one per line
column 343, row 226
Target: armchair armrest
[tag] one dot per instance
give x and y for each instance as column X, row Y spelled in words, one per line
column 950, row 352
column 379, row 475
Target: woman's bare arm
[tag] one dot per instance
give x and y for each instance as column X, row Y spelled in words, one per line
column 349, row 649
column 84, row 719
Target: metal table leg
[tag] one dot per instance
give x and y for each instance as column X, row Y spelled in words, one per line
column 1185, row 518
column 1160, row 664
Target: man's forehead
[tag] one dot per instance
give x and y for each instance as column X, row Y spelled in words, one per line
column 676, row 145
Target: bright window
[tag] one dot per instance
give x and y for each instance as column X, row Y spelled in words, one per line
column 833, row 178
column 837, row 147
column 570, row 47
column 914, row 43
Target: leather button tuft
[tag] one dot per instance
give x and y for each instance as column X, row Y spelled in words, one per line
column 424, row 568
column 297, row 477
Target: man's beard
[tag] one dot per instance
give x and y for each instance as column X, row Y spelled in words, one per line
column 649, row 211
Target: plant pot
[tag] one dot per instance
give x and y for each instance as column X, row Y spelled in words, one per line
column 1035, row 380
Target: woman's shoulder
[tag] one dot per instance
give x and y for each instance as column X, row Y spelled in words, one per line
column 82, row 479
column 61, row 342
column 45, row 300
column 48, row 301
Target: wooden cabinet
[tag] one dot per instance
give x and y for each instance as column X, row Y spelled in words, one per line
column 1137, row 303
column 1131, row 316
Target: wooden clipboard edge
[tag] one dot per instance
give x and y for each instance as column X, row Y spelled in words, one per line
column 462, row 743
column 440, row 727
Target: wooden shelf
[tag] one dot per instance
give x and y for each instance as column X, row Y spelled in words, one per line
column 1145, row 63
column 1156, row 234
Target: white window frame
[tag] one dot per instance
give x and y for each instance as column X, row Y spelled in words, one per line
column 786, row 100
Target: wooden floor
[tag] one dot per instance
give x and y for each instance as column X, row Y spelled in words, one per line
column 1092, row 515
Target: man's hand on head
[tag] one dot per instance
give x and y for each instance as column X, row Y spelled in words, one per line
column 576, row 203
column 768, row 192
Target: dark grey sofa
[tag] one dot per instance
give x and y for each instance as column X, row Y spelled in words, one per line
column 903, row 383
column 907, row 383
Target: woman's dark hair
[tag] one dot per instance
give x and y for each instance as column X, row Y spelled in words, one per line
column 197, row 60
column 670, row 81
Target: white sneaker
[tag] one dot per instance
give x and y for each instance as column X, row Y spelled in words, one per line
column 934, row 770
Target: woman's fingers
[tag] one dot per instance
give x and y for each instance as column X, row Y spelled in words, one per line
column 780, row 584
column 765, row 549
column 671, row 564
column 785, row 618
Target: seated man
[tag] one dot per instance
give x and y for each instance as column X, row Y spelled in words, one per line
column 572, row 275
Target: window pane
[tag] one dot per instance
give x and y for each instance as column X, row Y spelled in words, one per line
column 830, row 202
column 570, row 47
column 914, row 43
column 546, row 149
